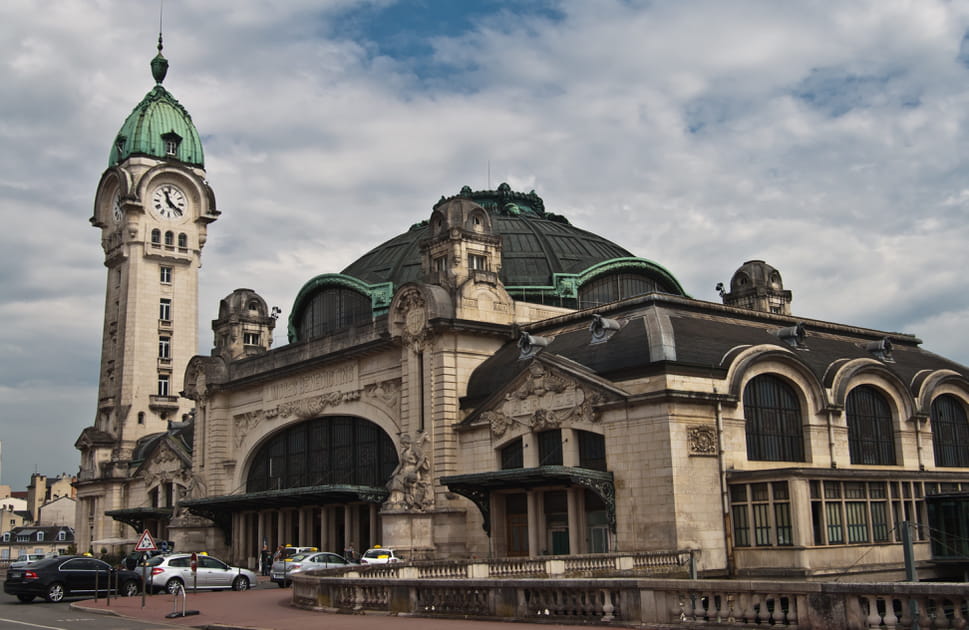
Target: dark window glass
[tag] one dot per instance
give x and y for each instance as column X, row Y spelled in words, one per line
column 169, row 238
column 512, row 455
column 330, row 310
column 617, row 286
column 550, row 448
column 950, row 432
column 773, row 416
column 592, row 450
column 335, row 450
column 182, row 240
column 870, row 437
column 156, row 237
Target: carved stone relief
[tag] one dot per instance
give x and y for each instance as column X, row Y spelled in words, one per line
column 385, row 395
column 410, row 483
column 544, row 401
column 702, row 441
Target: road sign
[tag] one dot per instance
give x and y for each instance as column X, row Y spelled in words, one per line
column 146, row 542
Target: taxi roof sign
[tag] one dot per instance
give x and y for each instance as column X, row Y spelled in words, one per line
column 146, row 542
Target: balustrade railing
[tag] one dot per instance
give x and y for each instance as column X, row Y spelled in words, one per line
column 671, row 602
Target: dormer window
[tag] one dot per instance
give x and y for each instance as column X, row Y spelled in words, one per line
column 40, row 536
column 171, row 140
column 250, row 339
column 61, row 535
column 119, row 145
column 440, row 263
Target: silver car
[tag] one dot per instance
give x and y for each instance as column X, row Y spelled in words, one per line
column 283, row 570
column 168, row 573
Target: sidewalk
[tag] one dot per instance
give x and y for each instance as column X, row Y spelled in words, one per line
column 269, row 609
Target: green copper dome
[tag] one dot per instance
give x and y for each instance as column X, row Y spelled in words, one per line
column 159, row 126
column 544, row 258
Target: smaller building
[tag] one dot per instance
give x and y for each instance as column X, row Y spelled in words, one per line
column 48, row 540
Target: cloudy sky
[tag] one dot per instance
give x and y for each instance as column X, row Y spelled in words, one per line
column 828, row 138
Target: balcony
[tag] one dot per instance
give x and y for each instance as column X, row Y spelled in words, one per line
column 163, row 403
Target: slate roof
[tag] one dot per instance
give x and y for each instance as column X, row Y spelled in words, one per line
column 704, row 336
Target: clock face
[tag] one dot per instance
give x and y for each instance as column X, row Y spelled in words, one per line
column 169, row 202
column 116, row 208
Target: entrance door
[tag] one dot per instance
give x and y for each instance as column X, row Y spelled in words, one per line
column 517, row 535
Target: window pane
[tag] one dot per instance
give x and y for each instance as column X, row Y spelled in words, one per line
column 773, row 420
column 950, row 432
column 782, row 520
column 761, row 523
column 741, row 528
column 857, row 514
column 870, row 436
column 835, row 527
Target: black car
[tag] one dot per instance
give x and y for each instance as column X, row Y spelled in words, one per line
column 69, row 576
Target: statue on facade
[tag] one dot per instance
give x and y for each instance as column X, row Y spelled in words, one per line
column 409, row 485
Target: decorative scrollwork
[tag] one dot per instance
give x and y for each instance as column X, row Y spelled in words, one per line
column 702, row 440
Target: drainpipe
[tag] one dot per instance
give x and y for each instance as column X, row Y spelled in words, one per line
column 724, row 494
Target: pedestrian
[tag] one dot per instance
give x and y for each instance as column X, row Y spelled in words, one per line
column 266, row 558
column 348, row 553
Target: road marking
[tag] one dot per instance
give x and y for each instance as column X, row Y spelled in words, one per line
column 32, row 625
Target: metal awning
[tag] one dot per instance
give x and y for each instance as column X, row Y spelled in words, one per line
column 479, row 486
column 220, row 509
column 136, row 517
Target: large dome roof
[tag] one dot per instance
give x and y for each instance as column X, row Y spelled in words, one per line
column 158, row 126
column 536, row 245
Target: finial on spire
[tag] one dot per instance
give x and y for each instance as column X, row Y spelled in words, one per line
column 159, row 65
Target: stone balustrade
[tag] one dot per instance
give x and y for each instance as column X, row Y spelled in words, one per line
column 635, row 601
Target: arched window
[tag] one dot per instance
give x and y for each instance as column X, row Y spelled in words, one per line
column 870, row 437
column 182, row 240
column 339, row 450
column 773, row 415
column 330, row 310
column 617, row 286
column 156, row 237
column 950, row 432
column 169, row 238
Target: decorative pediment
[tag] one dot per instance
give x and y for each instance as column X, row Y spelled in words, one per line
column 546, row 397
column 165, row 465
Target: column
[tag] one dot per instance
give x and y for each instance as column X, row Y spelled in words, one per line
column 260, row 528
column 347, row 525
column 304, row 528
column 324, row 543
column 575, row 525
column 374, row 525
column 533, row 539
column 280, row 527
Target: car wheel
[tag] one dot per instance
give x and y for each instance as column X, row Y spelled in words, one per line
column 55, row 592
column 172, row 585
column 129, row 589
column 25, row 598
column 241, row 583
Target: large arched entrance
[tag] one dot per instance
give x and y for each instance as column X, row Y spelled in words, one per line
column 317, row 483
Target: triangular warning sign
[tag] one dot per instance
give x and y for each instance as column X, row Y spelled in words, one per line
column 146, row 543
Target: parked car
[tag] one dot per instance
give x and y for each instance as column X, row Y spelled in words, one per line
column 378, row 555
column 26, row 558
column 69, row 576
column 170, row 572
column 283, row 570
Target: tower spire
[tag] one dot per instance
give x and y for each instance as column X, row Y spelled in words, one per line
column 159, row 65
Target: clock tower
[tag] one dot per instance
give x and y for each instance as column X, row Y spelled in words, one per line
column 152, row 207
